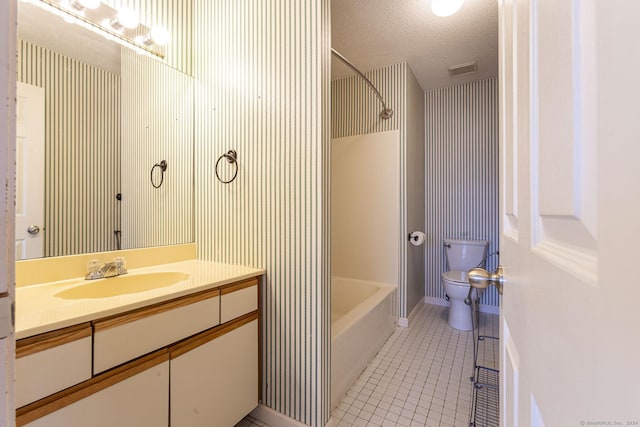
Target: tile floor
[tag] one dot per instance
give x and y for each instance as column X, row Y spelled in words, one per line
column 420, row 377
column 249, row 421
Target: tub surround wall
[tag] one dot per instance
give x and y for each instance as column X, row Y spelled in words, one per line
column 365, row 211
column 462, row 175
column 262, row 88
column 355, row 111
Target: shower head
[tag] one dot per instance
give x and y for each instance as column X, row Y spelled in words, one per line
column 386, row 113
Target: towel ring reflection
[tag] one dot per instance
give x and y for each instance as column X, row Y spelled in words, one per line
column 232, row 157
column 163, row 167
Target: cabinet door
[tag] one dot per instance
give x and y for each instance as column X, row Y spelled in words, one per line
column 214, row 382
column 134, row 397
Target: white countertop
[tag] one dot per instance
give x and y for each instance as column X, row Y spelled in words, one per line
column 39, row 310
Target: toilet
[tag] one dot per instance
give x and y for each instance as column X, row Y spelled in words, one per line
column 461, row 256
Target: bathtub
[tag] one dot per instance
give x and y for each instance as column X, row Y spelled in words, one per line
column 361, row 321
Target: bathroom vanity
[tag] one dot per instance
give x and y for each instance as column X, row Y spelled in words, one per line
column 183, row 353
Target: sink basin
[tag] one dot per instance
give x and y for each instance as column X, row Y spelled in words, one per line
column 122, row 285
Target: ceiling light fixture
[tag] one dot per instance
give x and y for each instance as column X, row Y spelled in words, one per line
column 445, row 7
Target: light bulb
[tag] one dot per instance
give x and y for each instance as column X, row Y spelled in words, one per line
column 160, row 36
column 446, row 7
column 127, row 18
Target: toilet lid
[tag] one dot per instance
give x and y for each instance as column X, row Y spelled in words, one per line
column 461, row 277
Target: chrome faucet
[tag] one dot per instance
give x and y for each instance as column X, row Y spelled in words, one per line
column 110, row 269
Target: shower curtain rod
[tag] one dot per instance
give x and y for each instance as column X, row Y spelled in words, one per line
column 386, row 112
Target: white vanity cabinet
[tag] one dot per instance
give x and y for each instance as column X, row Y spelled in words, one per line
column 134, row 395
column 50, row 362
column 214, row 376
column 172, row 363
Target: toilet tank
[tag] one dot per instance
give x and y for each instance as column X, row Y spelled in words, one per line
column 463, row 255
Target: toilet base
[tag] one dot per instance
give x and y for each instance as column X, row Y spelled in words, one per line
column 460, row 315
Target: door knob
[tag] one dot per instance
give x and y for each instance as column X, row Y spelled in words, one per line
column 33, row 229
column 480, row 278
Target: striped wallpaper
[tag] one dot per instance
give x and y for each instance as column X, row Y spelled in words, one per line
column 355, row 111
column 355, row 108
column 174, row 15
column 262, row 88
column 462, row 174
column 157, row 124
column 82, row 143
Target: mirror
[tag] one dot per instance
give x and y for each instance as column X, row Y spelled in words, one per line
column 91, row 179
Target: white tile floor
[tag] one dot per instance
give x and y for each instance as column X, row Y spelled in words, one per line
column 420, row 377
column 249, row 421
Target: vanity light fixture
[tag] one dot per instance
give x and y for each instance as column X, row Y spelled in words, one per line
column 81, row 5
column 122, row 26
column 126, row 18
column 445, row 7
column 157, row 35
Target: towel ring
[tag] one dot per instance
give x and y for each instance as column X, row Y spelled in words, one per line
column 163, row 167
column 232, row 157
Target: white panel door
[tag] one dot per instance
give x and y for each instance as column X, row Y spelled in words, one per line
column 29, row 171
column 570, row 206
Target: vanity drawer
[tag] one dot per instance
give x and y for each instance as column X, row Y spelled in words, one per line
column 238, row 299
column 50, row 362
column 124, row 337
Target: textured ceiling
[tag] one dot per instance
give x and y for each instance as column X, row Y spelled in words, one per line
column 377, row 33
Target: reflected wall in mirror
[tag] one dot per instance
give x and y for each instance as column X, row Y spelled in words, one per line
column 110, row 114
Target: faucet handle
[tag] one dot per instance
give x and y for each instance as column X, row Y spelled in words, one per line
column 121, row 265
column 93, row 270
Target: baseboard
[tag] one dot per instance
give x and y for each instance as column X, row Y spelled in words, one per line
column 406, row 321
column 436, row 301
column 489, row 309
column 274, row 418
column 331, row 423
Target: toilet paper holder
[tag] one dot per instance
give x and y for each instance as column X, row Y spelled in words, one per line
column 416, row 238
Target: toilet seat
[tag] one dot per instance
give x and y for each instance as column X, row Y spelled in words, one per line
column 458, row 278
column 457, row 288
